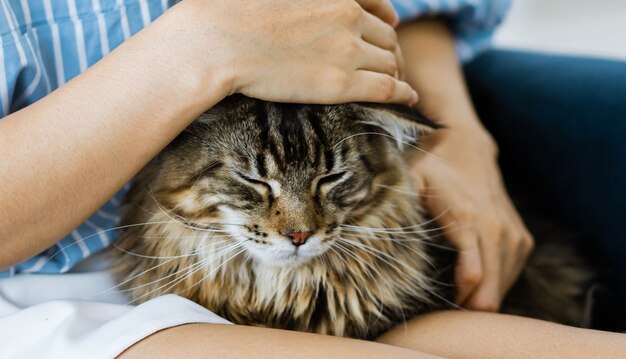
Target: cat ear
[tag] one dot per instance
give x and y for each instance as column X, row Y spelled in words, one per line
column 405, row 124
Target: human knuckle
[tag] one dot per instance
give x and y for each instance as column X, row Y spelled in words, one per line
column 527, row 243
column 392, row 63
column 386, row 87
column 488, row 305
column 496, row 240
column 335, row 80
column 472, row 275
column 351, row 11
column 392, row 36
column 351, row 47
column 464, row 212
column 342, row 81
column 493, row 222
column 494, row 227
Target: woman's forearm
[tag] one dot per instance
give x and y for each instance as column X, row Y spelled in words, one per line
column 457, row 334
column 238, row 341
column 433, row 69
column 66, row 155
column 464, row 191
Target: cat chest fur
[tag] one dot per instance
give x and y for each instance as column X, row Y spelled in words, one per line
column 361, row 293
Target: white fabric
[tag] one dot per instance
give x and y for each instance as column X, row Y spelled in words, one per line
column 80, row 315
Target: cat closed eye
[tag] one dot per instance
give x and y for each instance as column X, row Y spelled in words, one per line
column 330, row 179
column 254, row 181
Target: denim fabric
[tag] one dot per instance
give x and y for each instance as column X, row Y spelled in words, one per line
column 560, row 123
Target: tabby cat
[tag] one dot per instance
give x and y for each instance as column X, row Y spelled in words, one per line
column 304, row 217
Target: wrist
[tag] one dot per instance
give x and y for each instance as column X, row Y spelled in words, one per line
column 196, row 64
column 465, row 132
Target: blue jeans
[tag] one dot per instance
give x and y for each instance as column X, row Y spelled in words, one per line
column 560, row 123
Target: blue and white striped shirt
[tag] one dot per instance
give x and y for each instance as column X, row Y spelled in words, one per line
column 472, row 21
column 45, row 43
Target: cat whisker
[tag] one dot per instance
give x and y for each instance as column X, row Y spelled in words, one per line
column 194, row 252
column 408, row 188
column 357, row 259
column 377, row 253
column 191, row 254
column 403, row 236
column 381, row 256
column 387, row 231
column 382, row 231
column 186, row 221
column 402, row 229
column 412, row 270
column 196, row 267
column 199, row 175
column 412, row 192
column 393, row 138
column 101, row 232
column 419, row 254
column 373, row 273
column 131, row 278
column 378, row 285
column 164, row 209
column 216, row 269
column 219, row 236
column 425, row 241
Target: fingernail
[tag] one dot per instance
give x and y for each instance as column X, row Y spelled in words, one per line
column 413, row 98
column 396, row 19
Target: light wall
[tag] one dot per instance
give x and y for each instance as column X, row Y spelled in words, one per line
column 590, row 27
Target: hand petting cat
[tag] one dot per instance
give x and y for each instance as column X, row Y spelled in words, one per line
column 340, row 51
column 459, row 177
column 463, row 189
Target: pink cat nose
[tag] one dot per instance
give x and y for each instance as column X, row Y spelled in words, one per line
column 299, row 238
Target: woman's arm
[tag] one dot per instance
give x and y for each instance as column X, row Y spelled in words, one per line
column 66, row 155
column 237, row 341
column 464, row 191
column 458, row 334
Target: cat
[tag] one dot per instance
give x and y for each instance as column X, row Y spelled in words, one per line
column 304, row 217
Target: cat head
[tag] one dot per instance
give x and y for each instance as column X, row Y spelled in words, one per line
column 282, row 179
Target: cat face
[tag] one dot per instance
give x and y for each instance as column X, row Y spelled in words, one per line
column 282, row 178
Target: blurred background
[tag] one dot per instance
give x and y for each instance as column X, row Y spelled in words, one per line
column 583, row 27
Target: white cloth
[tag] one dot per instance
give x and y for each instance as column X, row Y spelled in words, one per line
column 81, row 315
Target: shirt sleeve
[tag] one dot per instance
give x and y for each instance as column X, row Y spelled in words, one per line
column 22, row 78
column 473, row 22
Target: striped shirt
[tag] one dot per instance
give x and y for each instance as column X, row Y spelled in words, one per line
column 472, row 21
column 45, row 43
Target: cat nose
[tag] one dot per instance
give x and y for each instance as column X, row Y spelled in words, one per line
column 299, row 238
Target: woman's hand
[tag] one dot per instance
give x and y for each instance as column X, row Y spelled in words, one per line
column 461, row 184
column 460, row 179
column 325, row 51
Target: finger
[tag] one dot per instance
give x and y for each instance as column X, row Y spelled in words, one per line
column 400, row 61
column 376, row 59
column 487, row 295
column 513, row 265
column 523, row 244
column 371, row 86
column 469, row 271
column 381, row 9
column 418, row 183
column 521, row 247
column 378, row 33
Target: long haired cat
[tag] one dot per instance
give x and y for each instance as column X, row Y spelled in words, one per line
column 304, row 217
